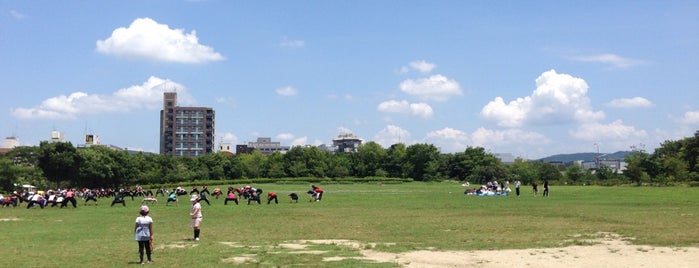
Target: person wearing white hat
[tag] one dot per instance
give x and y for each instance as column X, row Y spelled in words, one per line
column 195, row 213
column 143, row 233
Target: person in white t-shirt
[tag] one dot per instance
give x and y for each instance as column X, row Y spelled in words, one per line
column 143, row 233
column 195, row 213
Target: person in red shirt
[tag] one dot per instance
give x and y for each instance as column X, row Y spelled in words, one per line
column 270, row 196
column 69, row 197
column 318, row 191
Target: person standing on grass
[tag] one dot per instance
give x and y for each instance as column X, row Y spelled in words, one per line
column 535, row 188
column 517, row 184
column 195, row 213
column 546, row 188
column 143, row 233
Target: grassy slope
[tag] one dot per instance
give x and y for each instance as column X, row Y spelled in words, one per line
column 412, row 215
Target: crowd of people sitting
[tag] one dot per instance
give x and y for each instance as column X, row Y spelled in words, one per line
column 70, row 196
column 491, row 188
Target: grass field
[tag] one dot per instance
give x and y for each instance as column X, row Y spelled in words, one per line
column 396, row 217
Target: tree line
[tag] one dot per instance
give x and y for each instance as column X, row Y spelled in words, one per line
column 60, row 164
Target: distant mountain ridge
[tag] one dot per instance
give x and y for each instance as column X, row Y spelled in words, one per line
column 567, row 158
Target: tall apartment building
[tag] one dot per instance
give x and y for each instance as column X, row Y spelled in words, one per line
column 185, row 131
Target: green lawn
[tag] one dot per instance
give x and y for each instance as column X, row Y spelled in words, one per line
column 409, row 216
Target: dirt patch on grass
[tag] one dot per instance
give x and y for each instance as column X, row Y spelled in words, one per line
column 603, row 249
column 608, row 251
column 239, row 259
column 176, row 245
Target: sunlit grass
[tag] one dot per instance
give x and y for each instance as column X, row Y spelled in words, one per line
column 397, row 217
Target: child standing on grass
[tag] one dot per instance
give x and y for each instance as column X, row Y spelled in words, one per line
column 143, row 233
column 195, row 213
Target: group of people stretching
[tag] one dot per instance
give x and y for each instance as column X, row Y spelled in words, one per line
column 66, row 197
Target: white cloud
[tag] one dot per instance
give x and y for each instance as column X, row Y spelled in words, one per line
column 615, row 131
column 286, row 91
column 17, row 15
column 628, row 103
column 422, row 66
column 421, row 109
column 690, row 118
column 613, row 60
column 449, row 139
column 285, row 136
column 300, row 141
column 147, row 39
column 558, row 98
column 228, row 137
column 483, row 137
column 390, row 135
column 292, row 43
column 343, row 130
column 436, row 87
column 418, row 65
column 148, row 95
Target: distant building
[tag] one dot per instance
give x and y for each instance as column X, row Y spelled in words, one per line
column 185, row 131
column 264, row 144
column 225, row 147
column 57, row 136
column 10, row 142
column 347, row 142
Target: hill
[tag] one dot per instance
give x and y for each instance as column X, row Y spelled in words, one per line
column 567, row 158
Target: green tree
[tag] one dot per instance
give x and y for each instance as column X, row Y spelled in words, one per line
column 253, row 164
column 96, row 167
column 524, row 171
column 295, row 162
column 339, row 166
column 422, row 161
column 275, row 166
column 370, row 159
column 58, row 161
column 395, row 161
column 575, row 173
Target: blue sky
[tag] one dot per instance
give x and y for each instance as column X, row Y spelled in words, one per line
column 531, row 78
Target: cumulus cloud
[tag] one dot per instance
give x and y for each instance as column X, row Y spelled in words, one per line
column 228, row 137
column 690, row 118
column 558, row 98
column 285, row 136
column 343, row 130
column 615, row 131
column 391, row 135
column 436, row 87
column 418, row 65
column 148, row 95
column 302, row 141
column 612, row 60
column 494, row 138
column 147, row 39
column 628, row 103
column 421, row 109
column 286, row 91
column 449, row 139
